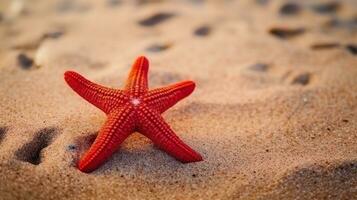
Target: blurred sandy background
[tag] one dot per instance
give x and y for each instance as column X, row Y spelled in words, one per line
column 273, row 114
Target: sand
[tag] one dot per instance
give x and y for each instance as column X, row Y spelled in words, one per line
column 274, row 113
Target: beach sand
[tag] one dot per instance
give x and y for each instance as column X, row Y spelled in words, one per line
column 274, row 113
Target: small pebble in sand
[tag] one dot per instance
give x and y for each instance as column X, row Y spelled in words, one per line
column 324, row 46
column 158, row 47
column 286, row 33
column 203, row 31
column 71, row 147
column 326, row 8
column 290, row 8
column 260, row 67
column 302, row 79
column 304, row 99
column 24, row 61
column 156, row 19
column 352, row 48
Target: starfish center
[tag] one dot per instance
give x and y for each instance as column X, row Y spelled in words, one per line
column 135, row 101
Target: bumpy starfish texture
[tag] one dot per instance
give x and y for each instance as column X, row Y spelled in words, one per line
column 133, row 109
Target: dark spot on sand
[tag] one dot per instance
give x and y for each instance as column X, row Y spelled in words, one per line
column 345, row 120
column 348, row 24
column 35, row 44
column 260, row 67
column 197, row 2
column 66, row 6
column 352, row 48
column 302, row 79
column 316, row 181
column 328, row 129
column 156, row 19
column 27, row 46
column 143, row 2
column 80, row 145
column 31, row 152
column 334, row 23
column 52, row 35
column 24, row 61
column 290, row 8
column 113, row 3
column 84, row 142
column 326, row 8
column 2, row 133
column 194, row 175
column 286, row 33
column 71, row 147
column 158, row 47
column 164, row 78
column 326, row 45
column 203, row 30
column 262, row 2
column 266, row 150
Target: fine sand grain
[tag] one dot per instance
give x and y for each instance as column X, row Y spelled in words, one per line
column 274, row 113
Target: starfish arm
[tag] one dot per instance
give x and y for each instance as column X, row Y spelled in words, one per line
column 117, row 128
column 102, row 97
column 163, row 98
column 137, row 82
column 153, row 126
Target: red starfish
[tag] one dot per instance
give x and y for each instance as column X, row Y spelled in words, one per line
column 133, row 109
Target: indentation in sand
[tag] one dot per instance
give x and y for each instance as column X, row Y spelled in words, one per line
column 203, row 30
column 325, row 45
column 286, row 33
column 259, row 67
column 326, row 8
column 302, row 79
column 31, row 151
column 335, row 181
column 290, row 8
column 352, row 48
column 24, row 61
column 156, row 19
column 158, row 47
